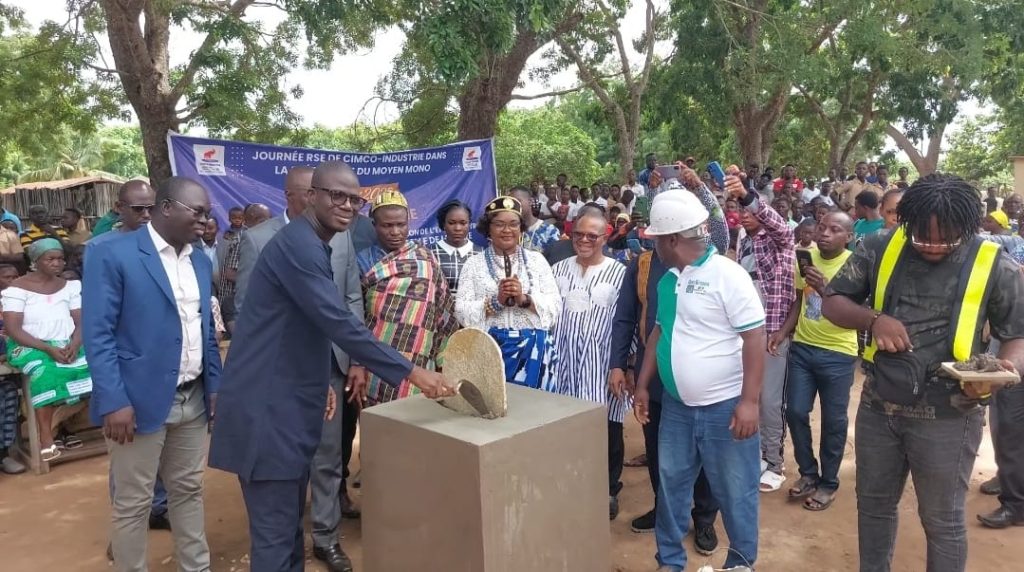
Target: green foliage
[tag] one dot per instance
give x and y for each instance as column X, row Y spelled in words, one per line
column 45, row 88
column 538, row 144
column 974, row 153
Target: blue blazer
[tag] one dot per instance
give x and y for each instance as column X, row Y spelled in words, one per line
column 270, row 411
column 131, row 329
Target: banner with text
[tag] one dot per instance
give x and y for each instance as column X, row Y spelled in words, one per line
column 237, row 173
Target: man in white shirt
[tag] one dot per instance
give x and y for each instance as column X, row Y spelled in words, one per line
column 155, row 369
column 710, row 342
column 632, row 184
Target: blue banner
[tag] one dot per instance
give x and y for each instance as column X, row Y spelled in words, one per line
column 236, row 174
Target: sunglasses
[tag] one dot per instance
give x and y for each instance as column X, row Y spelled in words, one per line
column 585, row 236
column 141, row 209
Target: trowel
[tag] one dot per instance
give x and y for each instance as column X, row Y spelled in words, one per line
column 471, row 393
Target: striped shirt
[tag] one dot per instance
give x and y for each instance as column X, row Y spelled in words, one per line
column 34, row 233
column 702, row 310
column 583, row 331
column 451, row 260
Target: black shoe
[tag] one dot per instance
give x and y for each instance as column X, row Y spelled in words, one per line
column 705, row 540
column 334, row 557
column 613, row 507
column 159, row 522
column 348, row 508
column 991, row 486
column 643, row 523
column 1000, row 518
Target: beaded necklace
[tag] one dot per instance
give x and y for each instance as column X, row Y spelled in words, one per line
column 492, row 266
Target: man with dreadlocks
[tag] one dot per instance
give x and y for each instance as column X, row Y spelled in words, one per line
column 932, row 283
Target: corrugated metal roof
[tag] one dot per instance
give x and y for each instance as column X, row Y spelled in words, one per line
column 63, row 184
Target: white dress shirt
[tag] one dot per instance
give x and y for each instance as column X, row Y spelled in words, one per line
column 185, row 288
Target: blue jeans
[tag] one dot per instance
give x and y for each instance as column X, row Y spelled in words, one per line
column 828, row 374
column 939, row 454
column 159, row 507
column 691, row 438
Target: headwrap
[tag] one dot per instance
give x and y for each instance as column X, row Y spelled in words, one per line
column 504, row 205
column 41, row 246
column 389, row 199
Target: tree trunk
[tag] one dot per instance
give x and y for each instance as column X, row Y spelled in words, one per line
column 487, row 94
column 141, row 59
column 929, row 162
column 755, row 126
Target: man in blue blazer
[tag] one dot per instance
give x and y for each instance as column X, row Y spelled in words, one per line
column 271, row 405
column 149, row 338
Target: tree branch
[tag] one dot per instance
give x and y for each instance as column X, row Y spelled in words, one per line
column 235, row 11
column 906, row 145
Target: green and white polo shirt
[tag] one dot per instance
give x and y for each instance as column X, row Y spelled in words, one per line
column 702, row 310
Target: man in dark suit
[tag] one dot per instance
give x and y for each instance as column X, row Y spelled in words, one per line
column 278, row 373
column 155, row 370
column 329, row 471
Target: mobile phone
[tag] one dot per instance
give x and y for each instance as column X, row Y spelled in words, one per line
column 803, row 260
column 668, row 172
column 716, row 171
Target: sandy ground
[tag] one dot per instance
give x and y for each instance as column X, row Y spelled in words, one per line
column 59, row 522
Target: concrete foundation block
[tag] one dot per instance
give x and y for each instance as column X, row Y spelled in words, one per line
column 445, row 492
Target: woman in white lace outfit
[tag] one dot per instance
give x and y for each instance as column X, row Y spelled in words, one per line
column 510, row 292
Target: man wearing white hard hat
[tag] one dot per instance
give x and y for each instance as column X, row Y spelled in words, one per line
column 710, row 345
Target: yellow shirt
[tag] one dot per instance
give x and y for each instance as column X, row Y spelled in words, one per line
column 814, row 329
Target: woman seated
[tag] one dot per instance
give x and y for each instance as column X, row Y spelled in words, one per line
column 510, row 292
column 42, row 313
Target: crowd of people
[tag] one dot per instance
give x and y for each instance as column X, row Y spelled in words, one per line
column 716, row 310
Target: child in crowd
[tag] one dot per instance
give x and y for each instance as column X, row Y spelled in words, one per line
column 805, row 234
column 8, row 390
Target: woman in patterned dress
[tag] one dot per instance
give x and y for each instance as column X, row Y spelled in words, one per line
column 510, row 292
column 455, row 248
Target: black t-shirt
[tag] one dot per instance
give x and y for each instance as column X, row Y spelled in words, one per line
column 925, row 307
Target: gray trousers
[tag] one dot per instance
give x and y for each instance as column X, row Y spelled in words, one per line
column 326, row 475
column 773, row 407
column 178, row 452
column 939, row 455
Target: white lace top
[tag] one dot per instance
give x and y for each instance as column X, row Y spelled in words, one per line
column 479, row 282
column 47, row 316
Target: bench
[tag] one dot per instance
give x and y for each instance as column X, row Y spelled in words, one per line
column 27, row 445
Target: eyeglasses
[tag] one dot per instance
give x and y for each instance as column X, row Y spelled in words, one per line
column 506, row 225
column 585, row 236
column 934, row 246
column 199, row 214
column 339, row 198
column 140, row 209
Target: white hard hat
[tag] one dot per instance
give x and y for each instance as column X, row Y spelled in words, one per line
column 676, row 210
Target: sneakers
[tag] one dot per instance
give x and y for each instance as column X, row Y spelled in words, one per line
column 613, row 507
column 705, row 540
column 643, row 524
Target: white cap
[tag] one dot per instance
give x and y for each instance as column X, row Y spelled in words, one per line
column 675, row 210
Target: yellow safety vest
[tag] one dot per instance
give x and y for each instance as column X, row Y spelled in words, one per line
column 972, row 294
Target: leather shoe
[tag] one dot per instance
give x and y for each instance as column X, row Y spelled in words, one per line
column 348, row 508
column 991, row 486
column 159, row 522
column 1000, row 518
column 334, row 557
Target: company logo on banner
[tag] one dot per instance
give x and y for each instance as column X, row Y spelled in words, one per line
column 235, row 173
column 471, row 159
column 210, row 160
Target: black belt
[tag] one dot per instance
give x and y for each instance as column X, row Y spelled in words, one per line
column 188, row 384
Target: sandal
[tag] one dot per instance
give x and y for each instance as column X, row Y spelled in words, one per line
column 803, row 488
column 820, row 500
column 72, row 442
column 50, row 453
column 638, row 461
column 771, row 481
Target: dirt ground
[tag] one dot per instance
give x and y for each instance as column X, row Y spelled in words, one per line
column 59, row 522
